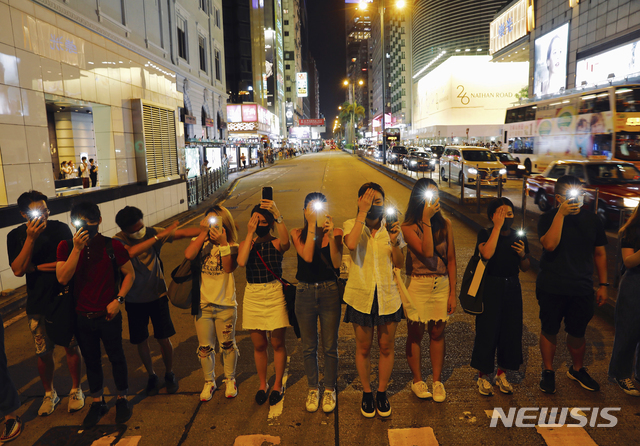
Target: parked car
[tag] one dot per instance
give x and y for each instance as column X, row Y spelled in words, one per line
column 514, row 168
column 469, row 162
column 437, row 150
column 395, row 154
column 369, row 151
column 617, row 182
column 419, row 161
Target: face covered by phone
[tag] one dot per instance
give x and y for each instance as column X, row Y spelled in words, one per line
column 391, row 216
column 575, row 195
column 214, row 222
column 84, row 225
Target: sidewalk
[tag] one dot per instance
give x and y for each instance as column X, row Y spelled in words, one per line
column 13, row 301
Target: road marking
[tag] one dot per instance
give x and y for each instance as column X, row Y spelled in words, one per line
column 124, row 441
column 422, row 436
column 565, row 436
column 468, row 417
column 276, row 411
column 15, row 319
column 255, row 440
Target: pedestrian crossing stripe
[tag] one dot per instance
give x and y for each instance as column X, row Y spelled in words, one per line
column 276, row 411
column 255, row 440
column 422, row 436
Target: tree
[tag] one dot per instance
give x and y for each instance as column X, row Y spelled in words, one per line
column 350, row 114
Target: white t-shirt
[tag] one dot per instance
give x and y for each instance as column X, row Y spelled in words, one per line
column 216, row 286
column 85, row 172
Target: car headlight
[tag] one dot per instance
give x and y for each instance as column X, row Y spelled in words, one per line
column 473, row 171
column 521, row 167
column 433, row 161
column 502, row 171
column 630, row 202
column 413, row 163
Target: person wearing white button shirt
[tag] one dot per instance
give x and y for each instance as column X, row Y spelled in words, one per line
column 371, row 295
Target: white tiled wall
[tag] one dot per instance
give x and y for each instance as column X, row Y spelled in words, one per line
column 157, row 206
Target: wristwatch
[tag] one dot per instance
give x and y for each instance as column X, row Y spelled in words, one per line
column 120, row 299
column 280, row 219
column 605, row 284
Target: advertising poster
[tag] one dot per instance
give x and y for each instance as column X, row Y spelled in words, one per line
column 302, row 85
column 550, row 75
column 622, row 62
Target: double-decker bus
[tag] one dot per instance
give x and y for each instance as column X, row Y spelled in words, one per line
column 598, row 123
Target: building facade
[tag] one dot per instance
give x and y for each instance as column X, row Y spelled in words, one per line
column 358, row 31
column 114, row 83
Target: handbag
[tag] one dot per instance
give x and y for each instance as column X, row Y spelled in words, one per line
column 289, row 291
column 473, row 285
column 181, row 286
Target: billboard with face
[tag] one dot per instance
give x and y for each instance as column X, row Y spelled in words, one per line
column 550, row 74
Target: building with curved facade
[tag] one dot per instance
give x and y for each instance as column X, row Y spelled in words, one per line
column 450, row 25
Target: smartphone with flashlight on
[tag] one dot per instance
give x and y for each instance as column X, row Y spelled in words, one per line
column 214, row 222
column 391, row 217
column 267, row 193
column 80, row 225
column 430, row 196
column 34, row 214
column 520, row 234
column 572, row 196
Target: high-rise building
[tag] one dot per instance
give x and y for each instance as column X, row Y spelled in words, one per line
column 292, row 54
column 358, row 31
column 314, row 89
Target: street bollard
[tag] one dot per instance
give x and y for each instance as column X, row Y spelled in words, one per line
column 449, row 177
column 461, row 183
column 595, row 201
column 524, row 200
column 500, row 186
column 478, row 185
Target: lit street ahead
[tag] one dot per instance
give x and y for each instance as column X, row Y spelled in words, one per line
column 463, row 419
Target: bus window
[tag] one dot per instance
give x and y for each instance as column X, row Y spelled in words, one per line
column 602, row 103
column 628, row 146
column 530, row 113
column 627, row 100
column 594, row 104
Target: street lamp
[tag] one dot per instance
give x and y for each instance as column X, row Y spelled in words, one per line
column 399, row 4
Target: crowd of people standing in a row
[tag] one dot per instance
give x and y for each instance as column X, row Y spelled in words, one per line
column 376, row 296
column 88, row 171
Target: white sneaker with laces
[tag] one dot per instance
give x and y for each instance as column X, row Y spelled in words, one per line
column 504, row 385
column 313, row 400
column 484, row 386
column 439, row 393
column 421, row 390
column 49, row 403
column 207, row 391
column 76, row 400
column 329, row 401
column 232, row 390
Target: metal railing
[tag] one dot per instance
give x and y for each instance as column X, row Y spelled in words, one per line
column 201, row 187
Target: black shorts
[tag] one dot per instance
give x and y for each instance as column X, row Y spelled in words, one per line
column 576, row 311
column 139, row 314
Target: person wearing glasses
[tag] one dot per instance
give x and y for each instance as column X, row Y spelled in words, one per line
column 573, row 242
column 32, row 252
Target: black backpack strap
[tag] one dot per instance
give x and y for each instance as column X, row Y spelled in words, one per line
column 114, row 264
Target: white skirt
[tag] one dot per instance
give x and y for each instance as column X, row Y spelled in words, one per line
column 263, row 307
column 429, row 296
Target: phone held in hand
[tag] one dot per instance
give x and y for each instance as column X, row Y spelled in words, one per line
column 267, row 193
column 391, row 218
column 214, row 222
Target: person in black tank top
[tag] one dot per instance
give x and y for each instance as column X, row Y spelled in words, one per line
column 319, row 248
column 264, row 307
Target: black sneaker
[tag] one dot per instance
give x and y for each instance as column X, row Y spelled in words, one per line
column 123, row 410
column 548, row 381
column 152, row 385
column 368, row 408
column 171, row 382
column 583, row 379
column 628, row 387
column 382, row 404
column 96, row 411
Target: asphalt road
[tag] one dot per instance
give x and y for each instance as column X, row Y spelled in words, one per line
column 181, row 419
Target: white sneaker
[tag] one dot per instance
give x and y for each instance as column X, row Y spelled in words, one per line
column 207, row 392
column 232, row 390
column 484, row 386
column 313, row 400
column 329, row 401
column 49, row 403
column 503, row 384
column 421, row 389
column 439, row 394
column 76, row 400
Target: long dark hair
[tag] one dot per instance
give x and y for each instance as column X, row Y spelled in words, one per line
column 630, row 229
column 313, row 196
column 413, row 215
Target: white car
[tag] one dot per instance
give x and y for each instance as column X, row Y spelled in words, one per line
column 467, row 163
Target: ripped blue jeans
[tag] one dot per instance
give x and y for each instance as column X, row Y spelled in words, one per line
column 216, row 322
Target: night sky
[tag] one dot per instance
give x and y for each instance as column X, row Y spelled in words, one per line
column 327, row 43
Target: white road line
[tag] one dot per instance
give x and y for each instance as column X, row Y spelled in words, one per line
column 255, row 440
column 565, row 435
column 124, row 441
column 14, row 319
column 276, row 411
column 421, row 436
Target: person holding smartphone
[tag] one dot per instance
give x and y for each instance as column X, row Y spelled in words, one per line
column 499, row 326
column 264, row 308
column 214, row 304
column 319, row 248
column 431, row 273
column 573, row 241
column 371, row 295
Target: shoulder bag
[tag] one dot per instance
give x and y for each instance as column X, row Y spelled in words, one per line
column 473, row 285
column 342, row 283
column 289, row 291
column 181, row 286
column 60, row 318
